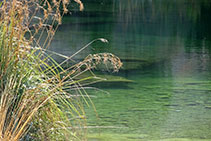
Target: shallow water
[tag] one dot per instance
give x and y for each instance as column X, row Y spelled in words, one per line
column 165, row 46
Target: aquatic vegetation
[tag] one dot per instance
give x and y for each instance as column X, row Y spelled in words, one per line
column 35, row 98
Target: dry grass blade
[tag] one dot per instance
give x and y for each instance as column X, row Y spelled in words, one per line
column 81, row 4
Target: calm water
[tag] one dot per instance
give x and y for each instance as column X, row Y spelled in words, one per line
column 165, row 46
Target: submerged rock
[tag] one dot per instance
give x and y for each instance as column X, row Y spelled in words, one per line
column 132, row 64
column 113, row 78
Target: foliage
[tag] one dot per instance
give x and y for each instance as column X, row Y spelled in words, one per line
column 39, row 99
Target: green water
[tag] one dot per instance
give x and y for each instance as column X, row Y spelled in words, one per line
column 165, row 46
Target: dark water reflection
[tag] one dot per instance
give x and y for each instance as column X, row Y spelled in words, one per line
column 165, row 46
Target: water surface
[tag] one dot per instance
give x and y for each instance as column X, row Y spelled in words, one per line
column 165, row 46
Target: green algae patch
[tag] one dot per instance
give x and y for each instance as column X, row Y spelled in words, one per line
column 134, row 137
column 182, row 139
column 116, row 137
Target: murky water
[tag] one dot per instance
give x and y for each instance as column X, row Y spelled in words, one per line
column 165, row 46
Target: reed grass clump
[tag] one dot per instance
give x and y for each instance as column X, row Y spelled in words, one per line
column 39, row 99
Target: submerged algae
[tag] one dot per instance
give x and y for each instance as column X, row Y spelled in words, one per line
column 134, row 137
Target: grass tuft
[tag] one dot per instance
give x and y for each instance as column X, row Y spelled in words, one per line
column 39, row 99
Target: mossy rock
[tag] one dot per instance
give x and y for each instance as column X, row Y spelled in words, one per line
column 108, row 78
column 137, row 63
column 129, row 63
column 132, row 65
column 113, row 78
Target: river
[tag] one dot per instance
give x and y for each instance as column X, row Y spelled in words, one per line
column 165, row 46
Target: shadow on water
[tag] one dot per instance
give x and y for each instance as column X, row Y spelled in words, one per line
column 165, row 46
